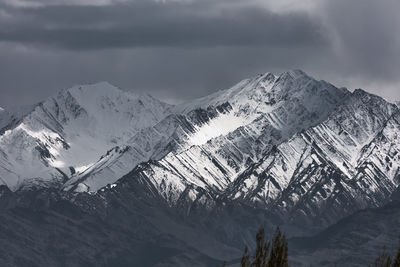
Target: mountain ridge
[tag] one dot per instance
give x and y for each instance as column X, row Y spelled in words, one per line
column 285, row 150
column 61, row 132
column 258, row 98
column 194, row 147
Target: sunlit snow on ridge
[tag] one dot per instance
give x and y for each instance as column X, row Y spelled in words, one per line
column 83, row 168
column 221, row 125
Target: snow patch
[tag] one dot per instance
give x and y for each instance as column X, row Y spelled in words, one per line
column 221, row 125
column 83, row 168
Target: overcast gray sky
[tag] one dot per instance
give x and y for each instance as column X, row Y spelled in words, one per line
column 182, row 49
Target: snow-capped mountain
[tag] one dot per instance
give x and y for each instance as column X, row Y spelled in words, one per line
column 269, row 140
column 346, row 163
column 209, row 141
column 256, row 115
column 67, row 133
column 288, row 143
column 286, row 149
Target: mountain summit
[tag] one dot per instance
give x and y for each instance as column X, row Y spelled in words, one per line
column 71, row 130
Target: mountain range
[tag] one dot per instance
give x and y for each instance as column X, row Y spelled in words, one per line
column 125, row 179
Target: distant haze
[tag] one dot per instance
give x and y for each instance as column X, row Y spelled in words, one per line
column 178, row 50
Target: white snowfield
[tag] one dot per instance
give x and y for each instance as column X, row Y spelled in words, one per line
column 271, row 138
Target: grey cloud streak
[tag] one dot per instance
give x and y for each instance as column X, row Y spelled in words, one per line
column 142, row 24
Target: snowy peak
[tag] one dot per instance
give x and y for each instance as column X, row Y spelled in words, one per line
column 71, row 131
column 103, row 98
column 266, row 92
column 100, row 88
column 288, row 143
column 295, row 73
column 225, row 133
column 241, row 92
column 290, row 101
column 105, row 110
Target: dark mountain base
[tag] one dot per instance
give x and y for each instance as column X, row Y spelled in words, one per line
column 51, row 228
column 356, row 240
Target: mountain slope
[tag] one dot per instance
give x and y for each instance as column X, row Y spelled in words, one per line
column 309, row 152
column 344, row 164
column 108, row 173
column 296, row 146
column 70, row 131
column 225, row 132
column 11, row 116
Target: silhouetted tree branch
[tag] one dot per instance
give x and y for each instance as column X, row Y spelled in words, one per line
column 385, row 260
column 272, row 253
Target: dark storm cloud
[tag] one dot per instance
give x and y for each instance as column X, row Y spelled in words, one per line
column 180, row 50
column 142, row 24
column 367, row 39
column 368, row 31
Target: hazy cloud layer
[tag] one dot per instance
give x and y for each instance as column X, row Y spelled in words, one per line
column 153, row 24
column 178, row 50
